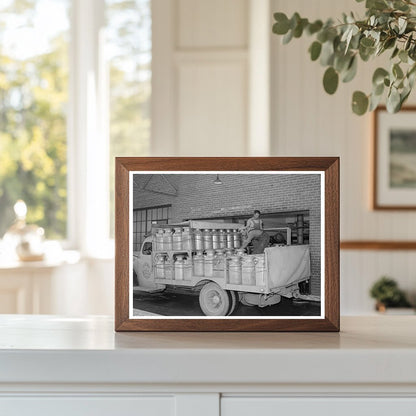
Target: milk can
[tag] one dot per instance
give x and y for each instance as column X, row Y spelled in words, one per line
column 167, row 240
column 199, row 244
column 248, row 270
column 187, row 268
column 187, row 240
column 209, row 263
column 260, row 269
column 207, row 236
column 215, row 239
column 229, row 252
column 219, row 260
column 199, row 264
column 160, row 266
column 159, row 240
column 229, row 239
column 169, row 269
column 179, row 268
column 236, row 239
column 234, row 270
column 222, row 239
column 177, row 239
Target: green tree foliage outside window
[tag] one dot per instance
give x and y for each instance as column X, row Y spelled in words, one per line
column 33, row 100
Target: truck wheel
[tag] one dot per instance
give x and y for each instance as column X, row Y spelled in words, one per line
column 213, row 300
column 233, row 301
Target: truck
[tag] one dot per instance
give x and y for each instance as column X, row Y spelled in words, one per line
column 206, row 256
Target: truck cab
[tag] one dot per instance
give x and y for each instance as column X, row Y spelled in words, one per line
column 142, row 265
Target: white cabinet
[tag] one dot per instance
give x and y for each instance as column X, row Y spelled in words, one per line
column 79, row 366
column 272, row 406
column 88, row 406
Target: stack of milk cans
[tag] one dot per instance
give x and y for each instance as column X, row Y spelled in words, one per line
column 181, row 253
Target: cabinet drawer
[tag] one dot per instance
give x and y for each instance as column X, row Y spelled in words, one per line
column 273, row 406
column 88, row 406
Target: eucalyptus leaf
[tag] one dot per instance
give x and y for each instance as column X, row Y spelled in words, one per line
column 378, row 89
column 367, row 42
column 341, row 62
column 397, row 71
column 327, row 54
column 408, row 42
column 393, row 101
column 404, row 96
column 374, row 102
column 288, row 37
column 281, row 27
column 359, row 103
column 402, row 22
column 376, row 4
column 351, row 72
column 298, row 30
column 389, row 43
column 379, row 75
column 395, row 52
column 403, row 56
column 314, row 27
column 315, row 50
column 330, row 80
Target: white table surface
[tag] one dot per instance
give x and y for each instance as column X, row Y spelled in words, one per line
column 53, row 349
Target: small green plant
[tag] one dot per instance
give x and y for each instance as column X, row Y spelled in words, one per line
column 387, row 293
column 389, row 26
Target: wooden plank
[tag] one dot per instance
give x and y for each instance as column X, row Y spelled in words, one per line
column 378, row 245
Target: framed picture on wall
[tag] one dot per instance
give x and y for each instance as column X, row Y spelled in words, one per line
column 394, row 178
column 227, row 244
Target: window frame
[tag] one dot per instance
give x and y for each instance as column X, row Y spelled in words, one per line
column 87, row 132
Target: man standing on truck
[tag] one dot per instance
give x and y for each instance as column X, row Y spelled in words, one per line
column 254, row 228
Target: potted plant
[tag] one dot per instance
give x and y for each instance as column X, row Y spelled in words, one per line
column 387, row 294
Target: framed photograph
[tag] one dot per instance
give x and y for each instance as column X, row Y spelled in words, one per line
column 227, row 244
column 394, row 176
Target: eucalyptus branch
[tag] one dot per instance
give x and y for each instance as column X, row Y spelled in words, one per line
column 389, row 25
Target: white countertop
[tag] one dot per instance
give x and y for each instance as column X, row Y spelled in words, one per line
column 52, row 349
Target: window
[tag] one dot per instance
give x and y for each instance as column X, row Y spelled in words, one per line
column 147, row 248
column 143, row 220
column 33, row 112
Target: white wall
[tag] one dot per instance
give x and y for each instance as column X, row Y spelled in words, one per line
column 208, row 71
column 308, row 122
column 200, row 77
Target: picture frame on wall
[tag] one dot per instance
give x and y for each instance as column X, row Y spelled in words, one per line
column 227, row 244
column 394, row 152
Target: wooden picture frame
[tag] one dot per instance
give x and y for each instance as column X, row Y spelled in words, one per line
column 327, row 168
column 390, row 191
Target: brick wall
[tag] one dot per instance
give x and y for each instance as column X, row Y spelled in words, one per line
column 198, row 197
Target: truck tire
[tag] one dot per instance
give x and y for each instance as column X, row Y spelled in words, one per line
column 233, row 301
column 213, row 300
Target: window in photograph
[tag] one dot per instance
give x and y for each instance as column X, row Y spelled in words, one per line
column 143, row 219
column 33, row 110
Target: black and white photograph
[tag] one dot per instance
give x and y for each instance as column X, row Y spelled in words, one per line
column 226, row 244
